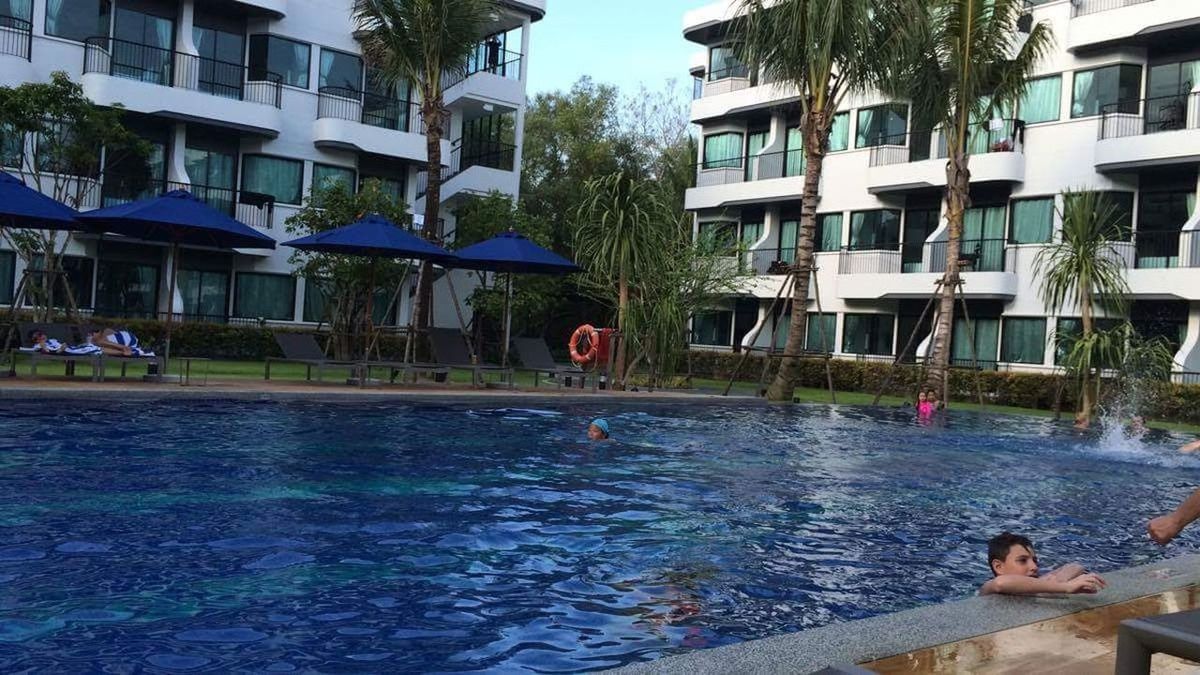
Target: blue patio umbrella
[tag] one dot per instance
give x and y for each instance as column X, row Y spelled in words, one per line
column 177, row 218
column 24, row 207
column 374, row 236
column 511, row 253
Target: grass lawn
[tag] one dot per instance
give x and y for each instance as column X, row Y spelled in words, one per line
column 253, row 370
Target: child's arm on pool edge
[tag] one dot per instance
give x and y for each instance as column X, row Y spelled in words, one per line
column 1016, row 584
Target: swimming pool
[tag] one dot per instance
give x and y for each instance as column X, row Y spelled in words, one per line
column 281, row 536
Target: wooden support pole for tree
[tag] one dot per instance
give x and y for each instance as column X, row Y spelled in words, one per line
column 887, row 380
column 826, row 347
column 970, row 338
column 787, row 282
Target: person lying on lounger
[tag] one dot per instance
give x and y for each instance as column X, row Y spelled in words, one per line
column 43, row 344
column 117, row 343
column 1014, row 566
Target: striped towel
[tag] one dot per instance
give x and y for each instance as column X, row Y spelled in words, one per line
column 127, row 339
column 83, row 350
column 51, row 346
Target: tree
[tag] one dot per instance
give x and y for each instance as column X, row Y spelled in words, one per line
column 1085, row 270
column 422, row 42
column 67, row 131
column 961, row 61
column 344, row 283
column 826, row 49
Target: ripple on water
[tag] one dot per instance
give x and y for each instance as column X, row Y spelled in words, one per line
column 238, row 635
column 251, row 543
column 177, row 661
column 82, row 547
column 275, row 561
column 20, row 554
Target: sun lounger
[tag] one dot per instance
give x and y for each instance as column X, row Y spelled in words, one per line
column 64, row 334
column 1138, row 640
column 302, row 348
column 138, row 356
column 450, row 349
column 402, row 370
column 536, row 358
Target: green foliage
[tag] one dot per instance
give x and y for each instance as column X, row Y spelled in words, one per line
column 348, row 281
column 1084, row 266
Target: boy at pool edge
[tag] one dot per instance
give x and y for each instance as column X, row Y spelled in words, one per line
column 1014, row 566
column 598, row 430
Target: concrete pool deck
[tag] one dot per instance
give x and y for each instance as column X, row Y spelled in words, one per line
column 1025, row 635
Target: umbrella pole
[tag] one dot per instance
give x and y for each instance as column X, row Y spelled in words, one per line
column 462, row 325
column 170, row 307
column 507, row 319
column 409, row 346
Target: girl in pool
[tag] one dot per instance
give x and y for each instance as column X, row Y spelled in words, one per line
column 924, row 407
column 598, row 430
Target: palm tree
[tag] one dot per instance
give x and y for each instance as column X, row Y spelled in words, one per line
column 1086, row 270
column 826, row 49
column 422, row 42
column 620, row 232
column 963, row 61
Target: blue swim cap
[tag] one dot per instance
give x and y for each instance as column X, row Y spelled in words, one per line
column 601, row 424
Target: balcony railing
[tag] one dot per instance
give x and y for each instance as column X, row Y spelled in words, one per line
column 976, row 255
column 1161, row 250
column 376, row 111
column 252, row 208
column 16, row 36
column 500, row 62
column 1002, row 135
column 168, row 68
column 1085, row 7
column 489, row 154
column 786, row 164
column 1137, row 117
column 725, row 80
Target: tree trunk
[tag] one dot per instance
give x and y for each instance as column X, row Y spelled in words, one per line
column 816, row 133
column 958, row 200
column 622, row 309
column 1087, row 400
column 432, row 112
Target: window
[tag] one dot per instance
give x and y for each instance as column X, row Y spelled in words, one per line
column 12, row 148
column 205, row 293
column 1067, row 330
column 1042, row 100
column 875, row 230
column 18, row 9
column 280, row 178
column 881, row 125
column 77, row 20
column 392, row 187
column 722, row 235
column 8, row 276
column 712, row 328
column 1101, row 89
column 340, row 70
column 789, row 231
column 327, row 175
column 828, row 236
column 266, row 296
column 316, row 301
column 1161, row 216
column 983, row 238
column 919, row 224
column 867, row 333
column 986, row 334
column 839, row 132
column 723, row 151
column 214, row 176
column 221, row 55
column 126, row 289
column 1024, row 340
column 62, row 152
column 723, row 63
column 287, row 58
column 794, row 147
column 1122, row 205
column 820, row 335
column 1032, row 221
column 751, row 233
column 78, row 272
column 755, row 142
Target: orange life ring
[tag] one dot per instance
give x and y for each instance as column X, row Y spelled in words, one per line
column 590, row 339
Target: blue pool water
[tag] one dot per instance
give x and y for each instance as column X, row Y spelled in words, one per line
column 279, row 537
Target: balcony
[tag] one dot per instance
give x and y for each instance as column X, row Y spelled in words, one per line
column 477, row 170
column 276, row 8
column 16, row 37
column 353, row 120
column 492, row 77
column 705, row 24
column 1163, row 265
column 917, row 160
column 1103, row 23
column 1149, row 132
column 252, row 208
column 186, row 87
column 902, row 271
column 770, row 177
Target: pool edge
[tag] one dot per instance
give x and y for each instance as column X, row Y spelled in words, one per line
column 887, row 635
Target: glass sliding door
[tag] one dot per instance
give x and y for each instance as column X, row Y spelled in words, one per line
column 143, row 49
column 221, row 55
column 214, row 177
column 920, row 223
column 983, row 238
column 126, row 289
column 205, row 293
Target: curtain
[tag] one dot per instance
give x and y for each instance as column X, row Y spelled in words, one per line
column 12, row 148
column 751, row 232
column 279, row 178
column 868, row 334
column 839, row 132
column 326, row 67
column 723, row 151
column 1083, row 96
column 983, row 233
column 1032, row 220
column 712, row 328
column 1042, row 100
column 325, row 176
column 795, row 153
column 126, row 289
column 866, row 134
column 298, row 67
column 269, row 296
column 986, row 333
column 1024, row 341
column 53, row 11
column 829, row 232
column 8, row 270
column 820, row 333
column 204, row 293
column 754, row 145
column 782, row 325
column 788, row 231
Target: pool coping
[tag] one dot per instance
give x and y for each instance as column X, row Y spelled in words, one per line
column 887, row 635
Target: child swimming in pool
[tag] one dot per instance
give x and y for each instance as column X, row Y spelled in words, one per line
column 1014, row 566
column 598, row 430
column 924, row 407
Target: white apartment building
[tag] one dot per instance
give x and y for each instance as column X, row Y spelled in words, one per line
column 1115, row 108
column 249, row 103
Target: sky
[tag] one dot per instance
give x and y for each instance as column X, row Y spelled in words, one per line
column 621, row 42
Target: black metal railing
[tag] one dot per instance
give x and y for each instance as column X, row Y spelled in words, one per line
column 1166, row 249
column 169, row 68
column 738, row 71
column 1085, row 7
column 1003, row 135
column 488, row 154
column 968, row 363
column 16, row 36
column 252, row 208
column 1137, row 117
column 499, row 62
column 785, row 164
column 974, row 255
column 103, row 312
column 376, row 111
